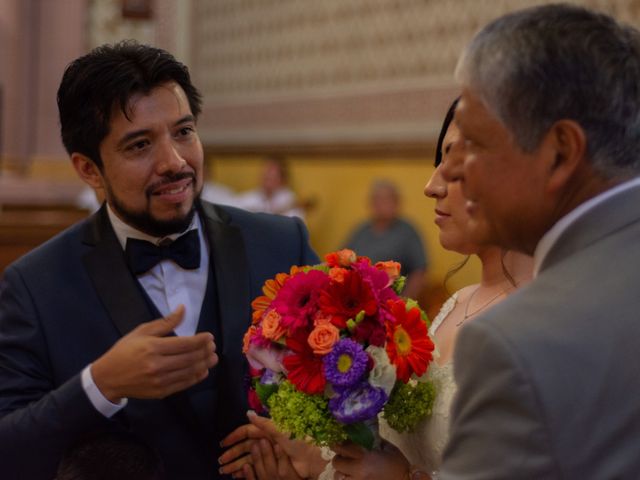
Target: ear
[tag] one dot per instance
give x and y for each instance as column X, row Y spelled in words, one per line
column 87, row 170
column 567, row 142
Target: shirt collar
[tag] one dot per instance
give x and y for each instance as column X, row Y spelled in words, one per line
column 124, row 231
column 549, row 239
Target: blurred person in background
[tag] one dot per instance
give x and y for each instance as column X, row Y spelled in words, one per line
column 387, row 236
column 274, row 194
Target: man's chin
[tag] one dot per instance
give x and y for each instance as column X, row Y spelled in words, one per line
column 156, row 225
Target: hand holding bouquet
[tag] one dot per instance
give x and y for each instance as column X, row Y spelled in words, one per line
column 333, row 345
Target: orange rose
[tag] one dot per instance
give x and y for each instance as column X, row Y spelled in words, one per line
column 320, row 319
column 337, row 274
column 322, row 338
column 392, row 268
column 246, row 341
column 341, row 258
column 271, row 327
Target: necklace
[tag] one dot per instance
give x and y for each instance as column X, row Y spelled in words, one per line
column 468, row 314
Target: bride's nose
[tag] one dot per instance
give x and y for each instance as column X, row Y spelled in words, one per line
column 436, row 187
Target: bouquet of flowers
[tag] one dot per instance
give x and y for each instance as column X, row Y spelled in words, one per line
column 333, row 345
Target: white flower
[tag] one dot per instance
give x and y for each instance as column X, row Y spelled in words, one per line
column 260, row 357
column 383, row 374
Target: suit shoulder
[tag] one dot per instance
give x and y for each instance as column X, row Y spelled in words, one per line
column 59, row 248
column 244, row 218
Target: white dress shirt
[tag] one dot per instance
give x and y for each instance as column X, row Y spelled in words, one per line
column 551, row 237
column 168, row 286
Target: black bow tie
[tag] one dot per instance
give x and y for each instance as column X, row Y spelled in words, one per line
column 142, row 256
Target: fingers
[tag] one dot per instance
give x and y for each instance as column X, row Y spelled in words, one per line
column 349, row 450
column 237, row 460
column 175, row 345
column 241, row 439
column 264, row 460
column 162, row 326
column 285, row 467
column 236, row 456
column 264, row 424
column 243, row 432
column 346, row 465
column 193, row 360
column 248, row 472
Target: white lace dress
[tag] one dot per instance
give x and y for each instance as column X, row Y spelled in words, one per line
column 424, row 446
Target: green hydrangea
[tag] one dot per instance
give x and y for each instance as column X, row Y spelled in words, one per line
column 305, row 416
column 409, row 403
column 398, row 284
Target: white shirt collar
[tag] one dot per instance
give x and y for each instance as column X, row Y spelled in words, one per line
column 124, row 231
column 551, row 237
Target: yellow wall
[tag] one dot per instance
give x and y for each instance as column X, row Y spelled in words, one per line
column 340, row 187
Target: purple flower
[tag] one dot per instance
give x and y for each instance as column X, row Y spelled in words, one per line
column 358, row 404
column 346, row 363
column 269, row 377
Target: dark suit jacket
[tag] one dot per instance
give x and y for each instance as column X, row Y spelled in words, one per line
column 548, row 380
column 67, row 302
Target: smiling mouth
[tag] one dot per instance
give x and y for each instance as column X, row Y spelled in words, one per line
column 172, row 191
column 174, row 186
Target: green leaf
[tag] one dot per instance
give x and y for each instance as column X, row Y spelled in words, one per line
column 360, row 434
column 398, row 284
column 265, row 391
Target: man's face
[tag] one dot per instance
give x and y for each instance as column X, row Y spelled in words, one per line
column 152, row 161
column 503, row 185
column 384, row 205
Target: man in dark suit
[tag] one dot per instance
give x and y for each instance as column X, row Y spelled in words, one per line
column 548, row 379
column 134, row 318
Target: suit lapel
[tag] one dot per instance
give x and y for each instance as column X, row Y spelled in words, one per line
column 231, row 269
column 604, row 219
column 116, row 286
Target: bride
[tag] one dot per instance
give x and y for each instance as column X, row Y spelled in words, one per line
column 415, row 454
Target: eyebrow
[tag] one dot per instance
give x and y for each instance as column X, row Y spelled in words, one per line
column 145, row 131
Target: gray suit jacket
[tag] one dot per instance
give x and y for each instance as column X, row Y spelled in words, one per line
column 549, row 379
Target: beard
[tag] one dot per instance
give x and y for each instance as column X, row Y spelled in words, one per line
column 146, row 222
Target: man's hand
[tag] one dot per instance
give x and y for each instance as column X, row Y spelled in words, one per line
column 245, row 443
column 146, row 363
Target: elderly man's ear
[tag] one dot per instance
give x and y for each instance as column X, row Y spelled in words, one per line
column 566, row 145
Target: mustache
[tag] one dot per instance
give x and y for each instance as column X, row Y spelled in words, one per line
column 170, row 178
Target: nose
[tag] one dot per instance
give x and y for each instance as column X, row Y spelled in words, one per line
column 452, row 169
column 436, row 187
column 168, row 158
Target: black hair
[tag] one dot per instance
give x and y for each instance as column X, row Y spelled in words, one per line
column 111, row 455
column 443, row 131
column 106, row 78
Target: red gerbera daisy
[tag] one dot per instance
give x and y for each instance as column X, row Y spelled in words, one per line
column 408, row 345
column 297, row 300
column 344, row 300
column 270, row 290
column 304, row 368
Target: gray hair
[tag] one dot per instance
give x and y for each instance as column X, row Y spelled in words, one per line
column 536, row 66
column 384, row 185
